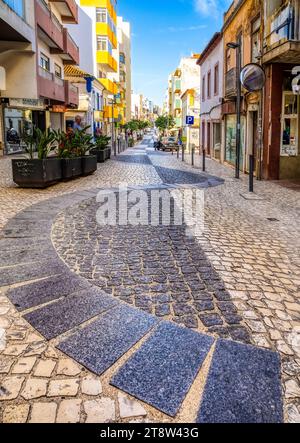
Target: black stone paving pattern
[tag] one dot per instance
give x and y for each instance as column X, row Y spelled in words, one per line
column 44, row 291
column 99, row 345
column 63, row 315
column 243, row 386
column 29, row 271
column 162, row 371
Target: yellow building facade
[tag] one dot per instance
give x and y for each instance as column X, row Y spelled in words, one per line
column 106, row 46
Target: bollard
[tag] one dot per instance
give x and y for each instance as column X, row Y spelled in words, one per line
column 178, row 151
column 183, row 153
column 203, row 161
column 251, row 173
column 193, row 156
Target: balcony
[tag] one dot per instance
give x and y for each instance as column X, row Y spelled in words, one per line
column 71, row 50
column 107, row 61
column 177, row 86
column 50, row 86
column 231, row 83
column 110, row 86
column 104, row 29
column 282, row 37
column 50, row 30
column 108, row 112
column 71, row 95
column 68, row 10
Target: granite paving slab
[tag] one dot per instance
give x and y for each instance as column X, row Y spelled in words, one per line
column 243, row 386
column 63, row 315
column 30, row 271
column 38, row 293
column 99, row 345
column 25, row 255
column 162, row 371
column 15, row 244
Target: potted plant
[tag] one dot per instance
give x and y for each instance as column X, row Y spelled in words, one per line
column 37, row 171
column 85, row 145
column 102, row 149
column 69, row 153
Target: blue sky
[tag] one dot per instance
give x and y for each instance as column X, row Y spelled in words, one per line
column 162, row 32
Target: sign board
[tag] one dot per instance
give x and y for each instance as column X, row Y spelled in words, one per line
column 26, row 103
column 253, row 77
column 296, row 80
column 190, row 120
column 2, row 79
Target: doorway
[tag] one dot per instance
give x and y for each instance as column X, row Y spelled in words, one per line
column 208, row 138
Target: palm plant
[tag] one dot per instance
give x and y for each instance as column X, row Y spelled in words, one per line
column 102, row 142
column 42, row 142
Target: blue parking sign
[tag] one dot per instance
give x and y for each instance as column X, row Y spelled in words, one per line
column 190, row 120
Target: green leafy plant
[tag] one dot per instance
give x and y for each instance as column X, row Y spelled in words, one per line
column 165, row 122
column 42, row 142
column 102, row 142
column 74, row 144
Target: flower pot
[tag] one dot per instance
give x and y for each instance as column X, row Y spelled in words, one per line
column 108, row 153
column 36, row 173
column 101, row 155
column 71, row 167
column 89, row 164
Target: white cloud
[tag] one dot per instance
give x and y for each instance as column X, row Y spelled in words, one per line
column 211, row 7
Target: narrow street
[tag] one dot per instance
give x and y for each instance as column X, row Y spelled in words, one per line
column 96, row 321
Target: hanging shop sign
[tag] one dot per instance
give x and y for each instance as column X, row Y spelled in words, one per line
column 58, row 108
column 253, row 77
column 26, row 103
column 296, row 80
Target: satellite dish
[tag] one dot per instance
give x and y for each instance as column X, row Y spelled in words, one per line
column 253, row 77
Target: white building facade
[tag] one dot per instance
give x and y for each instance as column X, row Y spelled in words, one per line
column 211, row 63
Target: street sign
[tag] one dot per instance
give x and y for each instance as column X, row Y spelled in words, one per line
column 253, row 77
column 190, row 120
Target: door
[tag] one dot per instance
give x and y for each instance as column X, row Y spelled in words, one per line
column 39, row 120
column 289, row 124
column 255, row 140
column 208, row 138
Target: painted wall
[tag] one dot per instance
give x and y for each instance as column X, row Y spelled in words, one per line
column 211, row 107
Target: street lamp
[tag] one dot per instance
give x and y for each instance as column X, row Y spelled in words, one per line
column 237, row 47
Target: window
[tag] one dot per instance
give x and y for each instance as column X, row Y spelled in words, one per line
column 228, row 59
column 216, row 79
column 101, row 15
column 57, row 71
column 255, row 40
column 102, row 44
column 44, row 62
column 122, row 58
column 203, row 88
column 209, row 84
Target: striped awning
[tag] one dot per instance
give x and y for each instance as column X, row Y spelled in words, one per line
column 73, row 71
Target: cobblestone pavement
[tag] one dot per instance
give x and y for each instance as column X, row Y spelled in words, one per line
column 255, row 256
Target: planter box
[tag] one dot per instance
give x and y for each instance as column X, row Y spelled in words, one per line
column 36, row 173
column 108, row 153
column 101, row 155
column 71, row 168
column 89, row 164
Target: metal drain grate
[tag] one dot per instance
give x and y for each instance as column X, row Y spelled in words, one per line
column 273, row 219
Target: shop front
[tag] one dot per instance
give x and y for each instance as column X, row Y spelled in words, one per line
column 19, row 116
column 230, row 140
column 281, row 158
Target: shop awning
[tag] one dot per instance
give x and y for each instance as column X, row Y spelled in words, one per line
column 73, row 71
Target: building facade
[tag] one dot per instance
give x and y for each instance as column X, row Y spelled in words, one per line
column 180, row 82
column 280, row 59
column 211, row 63
column 34, row 33
column 190, row 100
column 242, row 25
